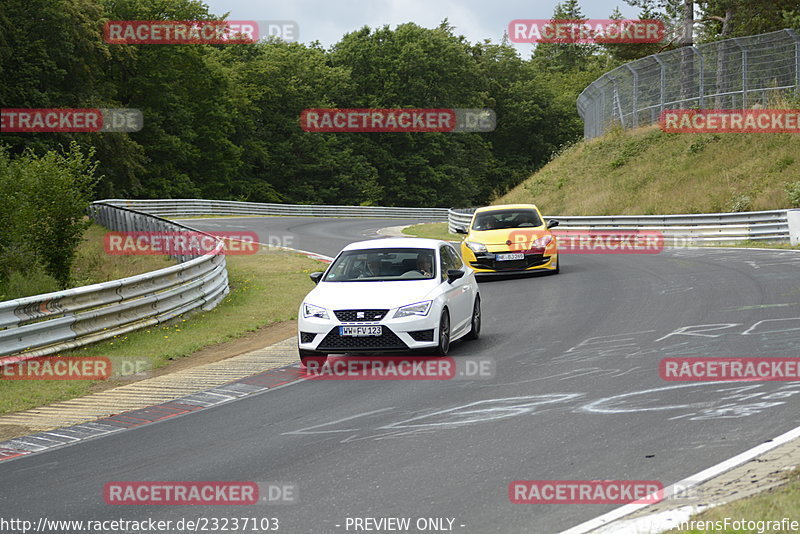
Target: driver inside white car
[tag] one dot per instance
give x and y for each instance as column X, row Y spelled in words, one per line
column 425, row 265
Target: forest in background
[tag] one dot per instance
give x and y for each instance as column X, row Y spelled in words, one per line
column 222, row 121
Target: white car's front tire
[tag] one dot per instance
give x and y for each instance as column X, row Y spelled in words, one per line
column 444, row 334
column 475, row 330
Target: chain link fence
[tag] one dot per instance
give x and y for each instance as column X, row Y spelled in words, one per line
column 738, row 73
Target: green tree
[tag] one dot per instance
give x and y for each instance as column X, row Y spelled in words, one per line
column 630, row 51
column 43, row 202
column 274, row 82
column 52, row 55
column 565, row 57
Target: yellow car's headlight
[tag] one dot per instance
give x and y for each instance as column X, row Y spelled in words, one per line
column 477, row 248
column 542, row 242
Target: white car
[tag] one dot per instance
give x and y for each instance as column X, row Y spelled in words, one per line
column 393, row 294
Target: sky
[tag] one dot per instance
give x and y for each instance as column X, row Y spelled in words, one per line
column 327, row 21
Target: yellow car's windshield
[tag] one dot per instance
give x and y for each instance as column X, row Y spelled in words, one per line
column 502, row 219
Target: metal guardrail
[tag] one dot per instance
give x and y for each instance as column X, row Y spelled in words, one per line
column 772, row 226
column 729, row 74
column 54, row 322
column 191, row 207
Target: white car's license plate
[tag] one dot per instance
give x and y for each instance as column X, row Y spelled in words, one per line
column 360, row 331
column 511, row 256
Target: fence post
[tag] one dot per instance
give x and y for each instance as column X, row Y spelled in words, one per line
column 744, row 73
column 793, row 218
column 796, row 38
column 661, row 84
column 634, row 100
column 701, row 85
column 616, row 101
column 603, row 100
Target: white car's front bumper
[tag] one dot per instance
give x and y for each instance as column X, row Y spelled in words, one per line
column 407, row 333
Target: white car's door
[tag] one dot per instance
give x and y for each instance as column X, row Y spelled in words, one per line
column 460, row 294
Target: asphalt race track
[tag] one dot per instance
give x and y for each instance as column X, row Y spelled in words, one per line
column 576, row 396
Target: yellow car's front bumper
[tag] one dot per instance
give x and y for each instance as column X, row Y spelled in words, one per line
column 486, row 263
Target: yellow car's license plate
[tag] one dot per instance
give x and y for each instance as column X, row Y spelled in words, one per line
column 510, row 256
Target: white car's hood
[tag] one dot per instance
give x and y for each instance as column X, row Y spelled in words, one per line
column 370, row 295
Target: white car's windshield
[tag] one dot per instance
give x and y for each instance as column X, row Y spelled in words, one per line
column 374, row 265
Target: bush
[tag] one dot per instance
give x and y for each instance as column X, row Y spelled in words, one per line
column 43, row 201
column 33, row 281
column 741, row 203
column 793, row 190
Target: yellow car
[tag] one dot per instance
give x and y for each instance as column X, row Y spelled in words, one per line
column 510, row 238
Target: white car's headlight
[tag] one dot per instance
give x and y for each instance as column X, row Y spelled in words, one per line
column 309, row 310
column 420, row 308
column 477, row 248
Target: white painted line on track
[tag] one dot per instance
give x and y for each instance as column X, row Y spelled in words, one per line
column 606, row 519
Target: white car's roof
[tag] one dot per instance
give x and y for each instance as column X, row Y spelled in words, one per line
column 396, row 242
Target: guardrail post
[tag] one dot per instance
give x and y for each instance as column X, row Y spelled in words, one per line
column 793, row 218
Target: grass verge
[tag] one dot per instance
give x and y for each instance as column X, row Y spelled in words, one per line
column 266, row 288
column 771, row 505
column 432, row 231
